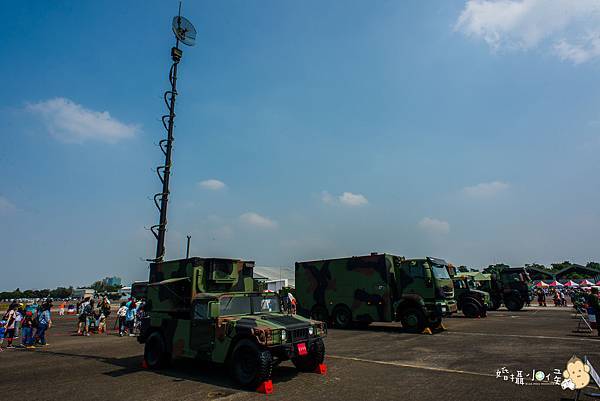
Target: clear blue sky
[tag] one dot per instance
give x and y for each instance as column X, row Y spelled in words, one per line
column 304, row 130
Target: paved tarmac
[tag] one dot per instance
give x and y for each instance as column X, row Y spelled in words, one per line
column 378, row 363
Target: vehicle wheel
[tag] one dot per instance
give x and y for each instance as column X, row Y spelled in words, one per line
column 250, row 365
column 155, row 351
column 315, row 357
column 495, row 303
column 342, row 317
column 319, row 313
column 413, row 320
column 471, row 309
column 514, row 303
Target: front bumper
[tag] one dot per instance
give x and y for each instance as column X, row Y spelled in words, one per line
column 289, row 350
column 445, row 308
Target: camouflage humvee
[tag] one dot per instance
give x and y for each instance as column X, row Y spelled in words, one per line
column 205, row 309
column 375, row 288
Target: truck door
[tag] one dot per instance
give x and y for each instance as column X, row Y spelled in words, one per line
column 202, row 329
column 421, row 283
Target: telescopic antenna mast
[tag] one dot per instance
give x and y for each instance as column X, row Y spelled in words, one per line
column 185, row 33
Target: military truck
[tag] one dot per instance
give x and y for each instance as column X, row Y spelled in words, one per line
column 359, row 290
column 508, row 286
column 472, row 302
column 206, row 309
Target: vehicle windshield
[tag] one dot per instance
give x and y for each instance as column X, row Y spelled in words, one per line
column 249, row 305
column 440, row 271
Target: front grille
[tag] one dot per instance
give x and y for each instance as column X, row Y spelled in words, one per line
column 298, row 334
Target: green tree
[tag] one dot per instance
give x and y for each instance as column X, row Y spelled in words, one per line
column 560, row 266
column 593, row 265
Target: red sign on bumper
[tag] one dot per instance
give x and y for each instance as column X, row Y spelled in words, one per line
column 302, row 349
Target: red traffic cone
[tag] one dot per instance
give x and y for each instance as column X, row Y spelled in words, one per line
column 265, row 387
column 144, row 364
column 321, row 369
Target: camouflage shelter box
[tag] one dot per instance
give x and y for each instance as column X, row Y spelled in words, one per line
column 376, row 287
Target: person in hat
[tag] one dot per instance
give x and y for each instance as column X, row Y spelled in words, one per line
column 27, row 330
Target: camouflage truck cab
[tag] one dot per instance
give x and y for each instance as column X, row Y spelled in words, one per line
column 206, row 309
column 375, row 288
column 508, row 286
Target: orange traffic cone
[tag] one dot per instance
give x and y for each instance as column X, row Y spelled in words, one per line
column 144, row 364
column 321, row 369
column 265, row 387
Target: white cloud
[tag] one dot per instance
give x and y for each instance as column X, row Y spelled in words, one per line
column 486, row 189
column 6, row 206
column 350, row 199
column 256, row 220
column 72, row 123
column 568, row 28
column 212, row 184
column 346, row 198
column 434, row 226
column 327, row 198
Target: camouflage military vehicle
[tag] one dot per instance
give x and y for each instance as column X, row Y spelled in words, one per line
column 375, row 288
column 472, row 302
column 206, row 309
column 508, row 286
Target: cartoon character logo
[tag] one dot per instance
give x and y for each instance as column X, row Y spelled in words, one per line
column 577, row 374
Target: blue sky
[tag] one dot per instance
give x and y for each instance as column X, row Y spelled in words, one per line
column 467, row 130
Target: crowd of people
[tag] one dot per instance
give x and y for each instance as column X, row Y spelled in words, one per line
column 27, row 323
column 93, row 316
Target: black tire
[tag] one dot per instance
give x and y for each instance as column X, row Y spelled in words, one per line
column 342, row 317
column 471, row 309
column 155, row 352
column 514, row 303
column 250, row 365
column 316, row 356
column 496, row 302
column 413, row 319
column 319, row 313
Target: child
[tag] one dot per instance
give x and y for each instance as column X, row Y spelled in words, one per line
column 11, row 316
column 2, row 332
column 27, row 330
column 121, row 318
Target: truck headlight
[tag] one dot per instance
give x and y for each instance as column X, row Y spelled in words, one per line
column 283, row 336
column 311, row 330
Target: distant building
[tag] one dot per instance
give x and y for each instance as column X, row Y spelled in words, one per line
column 82, row 293
column 111, row 281
column 276, row 285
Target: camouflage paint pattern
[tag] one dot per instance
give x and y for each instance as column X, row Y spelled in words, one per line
column 468, row 290
column 180, row 293
column 373, row 287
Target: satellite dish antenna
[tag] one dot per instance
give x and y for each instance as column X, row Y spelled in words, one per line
column 184, row 30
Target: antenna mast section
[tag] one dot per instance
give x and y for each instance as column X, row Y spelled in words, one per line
column 185, row 33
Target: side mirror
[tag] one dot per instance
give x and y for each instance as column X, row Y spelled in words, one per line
column 428, row 277
column 214, row 309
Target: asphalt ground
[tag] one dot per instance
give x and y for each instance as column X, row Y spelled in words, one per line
column 378, row 363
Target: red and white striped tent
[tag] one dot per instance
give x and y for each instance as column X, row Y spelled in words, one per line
column 541, row 284
column 586, row 283
column 571, row 283
column 555, row 284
